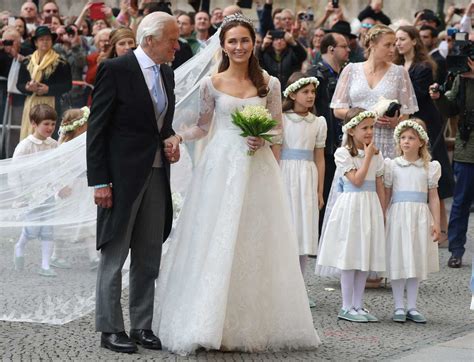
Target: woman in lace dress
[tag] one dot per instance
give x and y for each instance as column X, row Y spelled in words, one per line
column 230, row 279
column 363, row 84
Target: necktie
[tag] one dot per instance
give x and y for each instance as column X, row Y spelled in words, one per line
column 158, row 93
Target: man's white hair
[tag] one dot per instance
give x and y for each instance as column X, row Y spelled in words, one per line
column 153, row 25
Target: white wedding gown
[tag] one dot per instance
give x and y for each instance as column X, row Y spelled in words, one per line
column 231, row 278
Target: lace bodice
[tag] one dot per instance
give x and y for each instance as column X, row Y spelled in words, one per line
column 353, row 90
column 217, row 107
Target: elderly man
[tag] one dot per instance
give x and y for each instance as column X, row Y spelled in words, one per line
column 29, row 11
column 130, row 145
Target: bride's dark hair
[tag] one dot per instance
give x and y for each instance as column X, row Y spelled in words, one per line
column 255, row 71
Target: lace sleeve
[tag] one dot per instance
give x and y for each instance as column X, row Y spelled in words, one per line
column 341, row 98
column 434, row 174
column 275, row 109
column 406, row 93
column 206, row 112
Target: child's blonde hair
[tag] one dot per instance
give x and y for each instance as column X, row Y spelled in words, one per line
column 351, row 146
column 73, row 124
column 423, row 152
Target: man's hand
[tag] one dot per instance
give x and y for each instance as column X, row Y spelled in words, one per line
column 103, row 197
column 172, row 149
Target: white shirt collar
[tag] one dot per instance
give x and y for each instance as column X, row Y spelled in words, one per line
column 37, row 141
column 401, row 161
column 144, row 60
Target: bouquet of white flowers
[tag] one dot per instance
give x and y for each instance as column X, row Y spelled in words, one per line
column 254, row 121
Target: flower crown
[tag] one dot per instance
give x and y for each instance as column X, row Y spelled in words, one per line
column 293, row 87
column 236, row 17
column 410, row 123
column 357, row 119
column 77, row 123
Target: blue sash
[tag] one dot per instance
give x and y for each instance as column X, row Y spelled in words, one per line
column 347, row 186
column 296, row 154
column 409, row 196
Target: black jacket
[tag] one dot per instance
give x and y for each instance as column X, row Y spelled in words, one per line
column 123, row 137
column 290, row 61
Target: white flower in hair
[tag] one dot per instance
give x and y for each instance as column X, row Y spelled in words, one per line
column 300, row 83
column 410, row 123
column 77, row 123
column 357, row 119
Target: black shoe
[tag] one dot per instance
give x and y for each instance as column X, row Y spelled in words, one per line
column 145, row 338
column 118, row 342
column 455, row 261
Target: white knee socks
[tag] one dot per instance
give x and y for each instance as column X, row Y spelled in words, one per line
column 359, row 288
column 412, row 292
column 46, row 247
column 21, row 244
column 398, row 288
column 347, row 288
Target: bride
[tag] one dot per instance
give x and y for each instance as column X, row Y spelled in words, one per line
column 231, row 278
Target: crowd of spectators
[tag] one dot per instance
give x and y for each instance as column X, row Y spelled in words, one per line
column 48, row 57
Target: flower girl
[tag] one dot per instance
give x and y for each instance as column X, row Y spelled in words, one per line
column 353, row 239
column 302, row 160
column 411, row 188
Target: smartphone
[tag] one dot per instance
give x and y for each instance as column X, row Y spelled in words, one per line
column 459, row 11
column 335, row 4
column 134, row 4
column 96, row 12
column 277, row 34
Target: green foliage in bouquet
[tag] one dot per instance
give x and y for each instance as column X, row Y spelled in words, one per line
column 254, row 121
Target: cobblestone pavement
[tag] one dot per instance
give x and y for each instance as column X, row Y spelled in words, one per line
column 444, row 299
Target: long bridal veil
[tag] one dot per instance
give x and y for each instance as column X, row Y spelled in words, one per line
column 49, row 189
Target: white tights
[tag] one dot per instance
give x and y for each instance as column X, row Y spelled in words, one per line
column 398, row 288
column 353, row 286
column 46, row 246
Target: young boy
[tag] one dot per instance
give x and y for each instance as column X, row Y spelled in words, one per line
column 43, row 120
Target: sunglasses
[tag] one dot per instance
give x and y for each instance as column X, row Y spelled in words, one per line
column 367, row 26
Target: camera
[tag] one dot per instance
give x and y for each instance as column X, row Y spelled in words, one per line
column 392, row 109
column 72, row 30
column 309, row 16
column 335, row 4
column 277, row 34
column 463, row 49
column 6, row 43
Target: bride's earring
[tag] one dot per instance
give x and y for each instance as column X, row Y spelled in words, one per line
column 225, row 53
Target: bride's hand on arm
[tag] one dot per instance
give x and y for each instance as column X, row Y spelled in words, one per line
column 172, row 148
column 255, row 143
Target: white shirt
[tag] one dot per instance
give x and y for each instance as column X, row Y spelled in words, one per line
column 31, row 144
column 146, row 65
column 13, row 77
